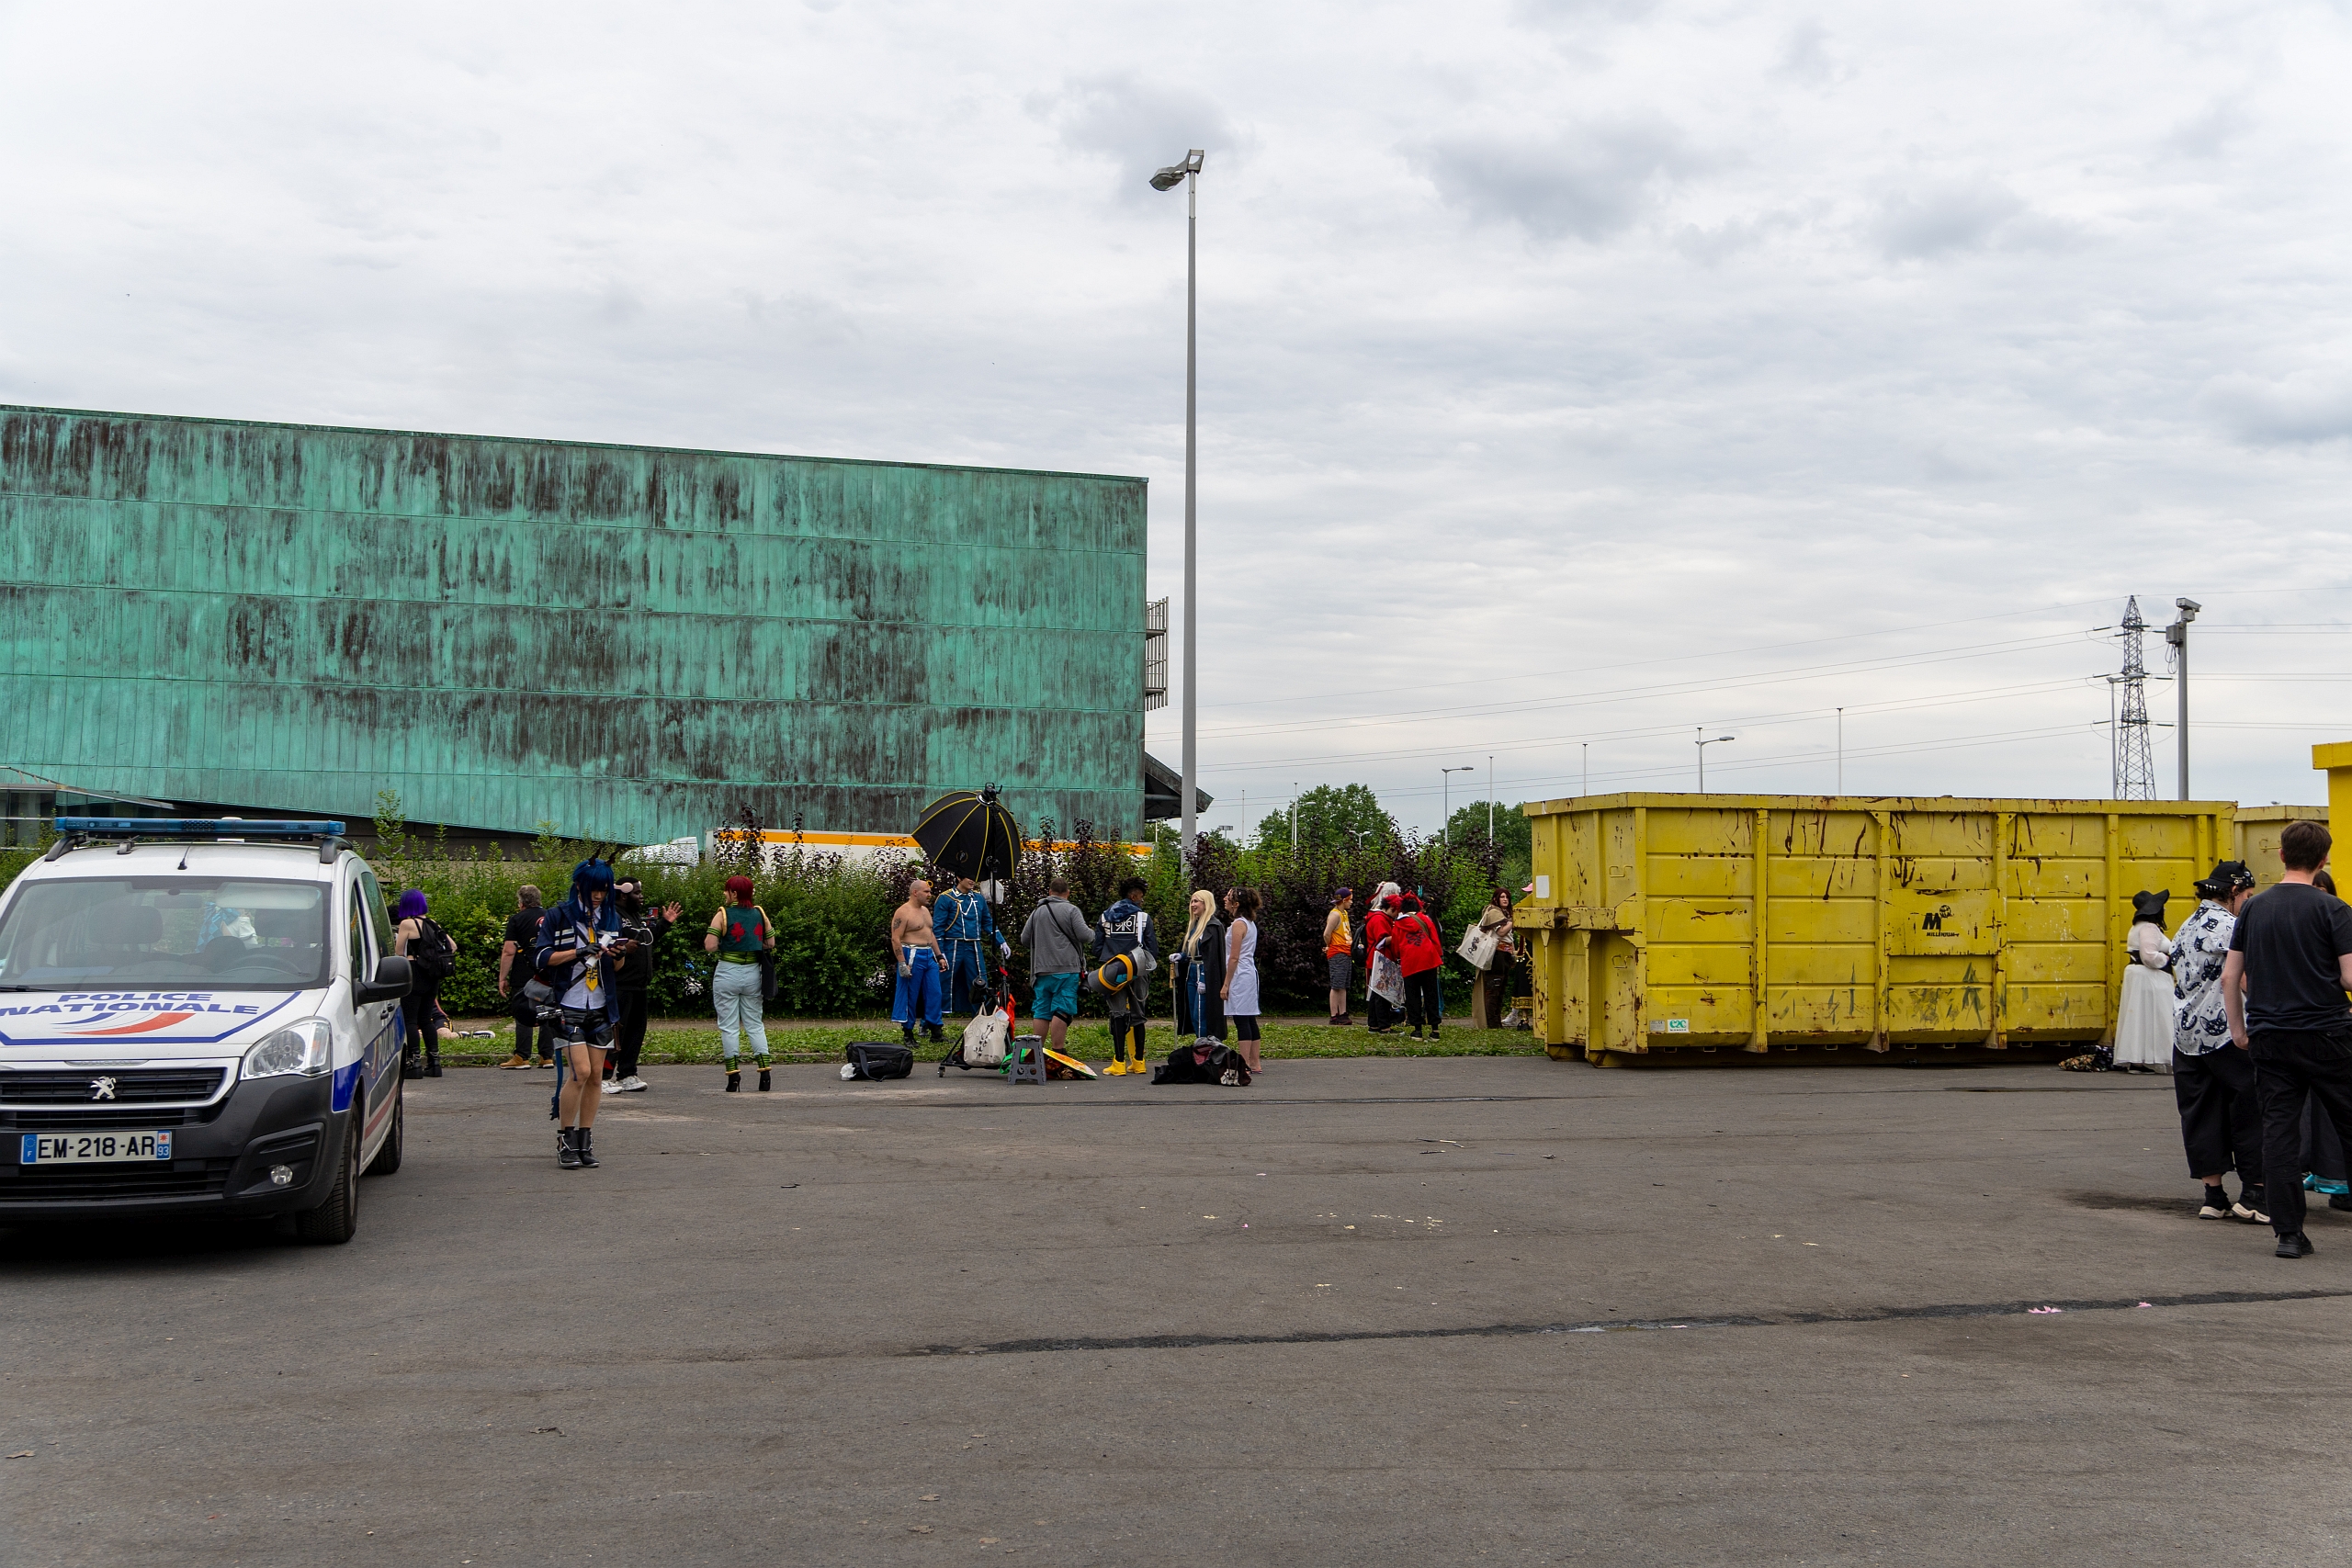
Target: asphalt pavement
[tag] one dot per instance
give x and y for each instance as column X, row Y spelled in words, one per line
column 1363, row 1312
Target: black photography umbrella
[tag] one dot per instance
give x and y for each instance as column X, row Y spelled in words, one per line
column 968, row 834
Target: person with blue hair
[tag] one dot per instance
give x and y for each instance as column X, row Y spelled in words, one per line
column 579, row 942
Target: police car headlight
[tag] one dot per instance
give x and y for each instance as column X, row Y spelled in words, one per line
column 306, row 1048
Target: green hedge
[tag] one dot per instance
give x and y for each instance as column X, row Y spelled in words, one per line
column 831, row 915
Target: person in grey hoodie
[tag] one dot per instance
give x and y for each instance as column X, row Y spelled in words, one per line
column 1055, row 936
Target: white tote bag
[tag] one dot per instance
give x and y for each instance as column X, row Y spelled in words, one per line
column 1478, row 945
column 984, row 1039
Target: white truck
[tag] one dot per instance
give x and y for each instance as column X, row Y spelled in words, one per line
column 197, row 1018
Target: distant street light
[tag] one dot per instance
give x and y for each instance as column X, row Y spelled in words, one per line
column 1186, row 173
column 2177, row 634
column 1704, row 741
column 1445, row 800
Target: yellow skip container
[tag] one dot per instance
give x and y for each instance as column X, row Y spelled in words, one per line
column 1703, row 924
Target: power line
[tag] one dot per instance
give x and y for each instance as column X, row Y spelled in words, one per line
column 1670, row 688
column 1905, row 629
column 1785, row 716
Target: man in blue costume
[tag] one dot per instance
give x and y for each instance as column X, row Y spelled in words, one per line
column 967, row 935
column 914, row 948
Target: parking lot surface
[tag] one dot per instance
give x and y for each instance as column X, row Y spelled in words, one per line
column 1363, row 1312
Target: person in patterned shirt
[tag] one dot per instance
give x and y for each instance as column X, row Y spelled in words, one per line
column 2213, row 1082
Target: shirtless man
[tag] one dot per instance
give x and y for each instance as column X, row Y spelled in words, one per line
column 915, row 947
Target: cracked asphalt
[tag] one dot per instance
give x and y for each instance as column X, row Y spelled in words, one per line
column 1364, row 1312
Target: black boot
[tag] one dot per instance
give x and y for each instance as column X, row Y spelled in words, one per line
column 734, row 1081
column 581, row 1149
column 433, row 1062
column 566, row 1155
column 907, row 1035
column 931, row 1030
column 763, row 1080
column 411, row 1067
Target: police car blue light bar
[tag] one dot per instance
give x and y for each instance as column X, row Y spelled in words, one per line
column 198, row 827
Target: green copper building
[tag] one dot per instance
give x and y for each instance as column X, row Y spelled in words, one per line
column 633, row 643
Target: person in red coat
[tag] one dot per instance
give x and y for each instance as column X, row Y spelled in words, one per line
column 1383, row 982
column 1421, row 953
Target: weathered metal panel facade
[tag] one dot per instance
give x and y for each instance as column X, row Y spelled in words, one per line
column 633, row 643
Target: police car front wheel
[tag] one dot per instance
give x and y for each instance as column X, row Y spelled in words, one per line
column 336, row 1220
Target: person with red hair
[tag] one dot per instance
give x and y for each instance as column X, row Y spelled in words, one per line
column 738, row 934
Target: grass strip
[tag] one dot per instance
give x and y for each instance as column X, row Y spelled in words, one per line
column 1089, row 1041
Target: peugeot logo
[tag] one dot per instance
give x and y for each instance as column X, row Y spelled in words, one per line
column 102, row 1088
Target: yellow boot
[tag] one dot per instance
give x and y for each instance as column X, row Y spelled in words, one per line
column 1117, row 1068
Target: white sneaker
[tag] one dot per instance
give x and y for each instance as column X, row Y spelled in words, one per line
column 633, row 1085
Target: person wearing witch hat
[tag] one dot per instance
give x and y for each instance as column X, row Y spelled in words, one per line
column 2213, row 1082
column 580, row 940
column 2143, row 1022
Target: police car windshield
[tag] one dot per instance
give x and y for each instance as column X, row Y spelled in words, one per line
column 66, row 934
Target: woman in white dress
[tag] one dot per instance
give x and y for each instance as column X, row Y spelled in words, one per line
column 2143, row 1024
column 1240, row 990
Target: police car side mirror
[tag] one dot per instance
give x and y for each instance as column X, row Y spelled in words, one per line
column 391, row 982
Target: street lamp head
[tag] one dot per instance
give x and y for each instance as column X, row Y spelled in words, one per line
column 1726, row 737
column 1174, row 175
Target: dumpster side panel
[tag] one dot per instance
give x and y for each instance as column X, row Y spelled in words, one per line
column 1763, row 922
column 2256, row 840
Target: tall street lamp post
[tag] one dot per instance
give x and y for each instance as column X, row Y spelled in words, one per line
column 2177, row 634
column 1704, row 741
column 1187, row 174
column 1445, row 800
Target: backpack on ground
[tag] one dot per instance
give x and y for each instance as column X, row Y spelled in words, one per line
column 874, row 1060
column 433, row 956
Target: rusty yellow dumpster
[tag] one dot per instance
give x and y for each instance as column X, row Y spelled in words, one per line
column 2258, row 839
column 1696, row 924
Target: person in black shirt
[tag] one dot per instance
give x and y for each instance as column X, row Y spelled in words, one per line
column 2294, row 950
column 632, row 972
column 515, row 971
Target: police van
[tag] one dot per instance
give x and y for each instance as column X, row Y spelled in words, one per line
column 197, row 1018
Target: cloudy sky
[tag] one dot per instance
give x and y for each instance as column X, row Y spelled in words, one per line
column 1576, row 374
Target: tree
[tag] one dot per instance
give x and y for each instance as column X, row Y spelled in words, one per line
column 1331, row 817
column 1514, row 832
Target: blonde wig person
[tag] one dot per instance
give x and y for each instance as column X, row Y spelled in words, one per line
column 1200, row 977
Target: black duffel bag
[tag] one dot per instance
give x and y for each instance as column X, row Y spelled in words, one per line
column 872, row 1059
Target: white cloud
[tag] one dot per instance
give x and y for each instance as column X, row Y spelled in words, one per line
column 1588, row 183
column 1548, row 350
column 1944, row 216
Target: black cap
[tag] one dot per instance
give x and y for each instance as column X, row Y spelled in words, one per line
column 2229, row 876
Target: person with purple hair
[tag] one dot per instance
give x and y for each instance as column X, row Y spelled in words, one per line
column 580, row 942
column 430, row 954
